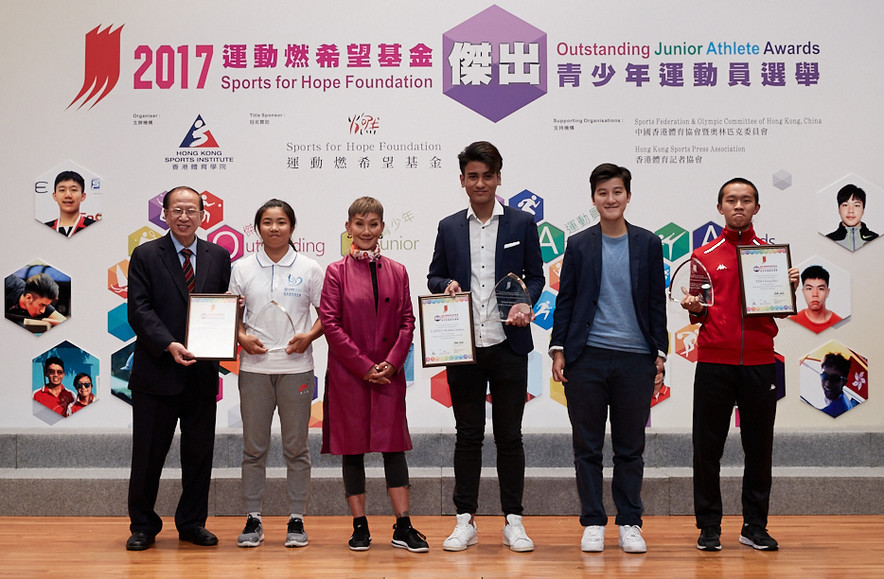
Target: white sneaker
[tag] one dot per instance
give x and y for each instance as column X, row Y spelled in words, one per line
column 631, row 539
column 463, row 535
column 514, row 535
column 593, row 540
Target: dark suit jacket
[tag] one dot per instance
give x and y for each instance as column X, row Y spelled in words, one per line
column 158, row 313
column 580, row 284
column 517, row 251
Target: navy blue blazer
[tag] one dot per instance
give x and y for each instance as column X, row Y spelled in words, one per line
column 580, row 284
column 517, row 251
column 157, row 308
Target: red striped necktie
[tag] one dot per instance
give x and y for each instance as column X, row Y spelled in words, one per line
column 189, row 278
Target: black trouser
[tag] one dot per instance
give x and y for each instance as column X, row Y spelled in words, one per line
column 506, row 373
column 717, row 387
column 153, row 426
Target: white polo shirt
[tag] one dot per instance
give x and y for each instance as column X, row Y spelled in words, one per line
column 295, row 282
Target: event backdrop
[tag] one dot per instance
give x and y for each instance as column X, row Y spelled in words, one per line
column 318, row 103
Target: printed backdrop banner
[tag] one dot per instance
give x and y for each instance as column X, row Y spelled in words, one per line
column 320, row 103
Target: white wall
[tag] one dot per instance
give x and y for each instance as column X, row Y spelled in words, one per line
column 42, row 67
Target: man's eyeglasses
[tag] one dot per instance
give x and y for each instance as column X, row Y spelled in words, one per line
column 53, row 371
column 178, row 212
column 826, row 377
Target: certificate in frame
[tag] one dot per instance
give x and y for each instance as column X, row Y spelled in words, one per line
column 447, row 336
column 765, row 289
column 212, row 324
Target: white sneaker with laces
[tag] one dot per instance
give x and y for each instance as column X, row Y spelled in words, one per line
column 631, row 539
column 464, row 534
column 514, row 535
column 593, row 540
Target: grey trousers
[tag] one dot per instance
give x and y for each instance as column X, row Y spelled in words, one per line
column 260, row 395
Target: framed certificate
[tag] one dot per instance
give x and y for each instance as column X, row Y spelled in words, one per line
column 447, row 329
column 212, row 322
column 764, row 280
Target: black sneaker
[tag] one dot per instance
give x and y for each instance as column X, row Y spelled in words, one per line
column 757, row 537
column 710, row 539
column 252, row 534
column 407, row 537
column 361, row 538
column 295, row 535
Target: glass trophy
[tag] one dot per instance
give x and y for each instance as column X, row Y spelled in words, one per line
column 691, row 278
column 511, row 291
column 274, row 327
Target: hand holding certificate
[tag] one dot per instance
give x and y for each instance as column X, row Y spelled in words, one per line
column 447, row 329
column 212, row 321
column 764, row 280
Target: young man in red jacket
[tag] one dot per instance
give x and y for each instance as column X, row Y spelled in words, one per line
column 735, row 364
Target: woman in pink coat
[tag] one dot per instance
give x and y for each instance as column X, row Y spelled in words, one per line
column 368, row 323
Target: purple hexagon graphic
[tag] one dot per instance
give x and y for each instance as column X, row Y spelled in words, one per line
column 495, row 63
column 230, row 239
column 155, row 211
column 529, row 203
column 705, row 233
column 212, row 204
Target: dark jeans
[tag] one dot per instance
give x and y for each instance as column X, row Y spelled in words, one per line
column 624, row 382
column 507, row 374
column 717, row 387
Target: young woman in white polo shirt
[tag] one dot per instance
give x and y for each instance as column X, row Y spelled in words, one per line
column 279, row 286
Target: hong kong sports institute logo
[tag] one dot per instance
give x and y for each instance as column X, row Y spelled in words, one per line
column 199, row 136
column 495, row 63
column 102, row 65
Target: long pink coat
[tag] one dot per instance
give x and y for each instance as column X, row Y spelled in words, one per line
column 359, row 416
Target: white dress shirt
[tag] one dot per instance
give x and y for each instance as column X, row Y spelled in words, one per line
column 483, row 248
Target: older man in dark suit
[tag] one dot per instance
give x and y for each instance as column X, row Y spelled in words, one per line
column 168, row 385
column 609, row 341
column 474, row 249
